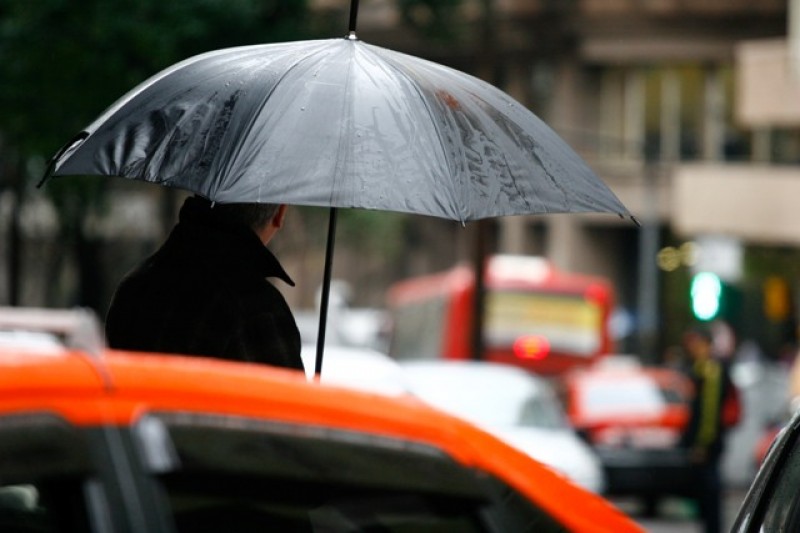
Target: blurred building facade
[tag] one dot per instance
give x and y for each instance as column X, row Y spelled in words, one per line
column 687, row 110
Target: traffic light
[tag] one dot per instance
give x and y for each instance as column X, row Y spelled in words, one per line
column 777, row 299
column 706, row 295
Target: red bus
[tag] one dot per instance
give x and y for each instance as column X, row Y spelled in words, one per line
column 535, row 315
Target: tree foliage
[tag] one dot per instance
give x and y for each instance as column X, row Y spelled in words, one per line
column 436, row 19
column 62, row 62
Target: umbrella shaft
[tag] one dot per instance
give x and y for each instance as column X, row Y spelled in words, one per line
column 326, row 289
column 353, row 15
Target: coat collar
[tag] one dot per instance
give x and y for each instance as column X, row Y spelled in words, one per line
column 197, row 215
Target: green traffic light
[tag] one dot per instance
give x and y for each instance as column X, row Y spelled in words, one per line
column 706, row 291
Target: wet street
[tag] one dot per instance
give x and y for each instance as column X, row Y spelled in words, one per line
column 679, row 516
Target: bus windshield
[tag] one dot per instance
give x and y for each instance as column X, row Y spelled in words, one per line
column 534, row 315
column 569, row 322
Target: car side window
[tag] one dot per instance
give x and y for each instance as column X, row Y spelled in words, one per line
column 782, row 511
column 543, row 411
column 219, row 473
column 44, row 464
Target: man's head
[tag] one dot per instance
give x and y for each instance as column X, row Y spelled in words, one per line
column 698, row 343
column 264, row 219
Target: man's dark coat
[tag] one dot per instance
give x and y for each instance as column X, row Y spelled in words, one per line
column 204, row 292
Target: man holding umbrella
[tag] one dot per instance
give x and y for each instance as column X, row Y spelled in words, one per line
column 336, row 123
column 205, row 292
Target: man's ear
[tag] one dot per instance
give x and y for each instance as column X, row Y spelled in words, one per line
column 280, row 216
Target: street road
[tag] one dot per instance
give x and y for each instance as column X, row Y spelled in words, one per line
column 679, row 516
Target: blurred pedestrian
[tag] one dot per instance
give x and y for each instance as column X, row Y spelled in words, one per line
column 205, row 291
column 703, row 437
column 723, row 340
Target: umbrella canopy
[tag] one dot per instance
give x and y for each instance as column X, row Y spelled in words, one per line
column 337, row 123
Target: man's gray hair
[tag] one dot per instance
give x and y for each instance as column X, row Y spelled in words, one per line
column 254, row 216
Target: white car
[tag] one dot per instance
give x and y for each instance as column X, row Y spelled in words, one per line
column 360, row 368
column 512, row 404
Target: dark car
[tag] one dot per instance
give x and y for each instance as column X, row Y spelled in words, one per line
column 773, row 499
column 102, row 441
column 633, row 416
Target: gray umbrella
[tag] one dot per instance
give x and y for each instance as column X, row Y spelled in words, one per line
column 337, row 123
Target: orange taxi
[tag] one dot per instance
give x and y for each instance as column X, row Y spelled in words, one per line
column 104, row 441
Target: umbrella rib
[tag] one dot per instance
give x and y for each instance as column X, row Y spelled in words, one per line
column 438, row 134
column 432, row 116
column 253, row 119
column 413, row 81
column 558, row 186
column 527, row 201
column 551, row 177
column 337, row 167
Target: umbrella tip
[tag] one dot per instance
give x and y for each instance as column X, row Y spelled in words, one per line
column 76, row 141
column 48, row 173
column 352, row 36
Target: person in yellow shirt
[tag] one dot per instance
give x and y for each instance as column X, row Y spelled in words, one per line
column 704, row 434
